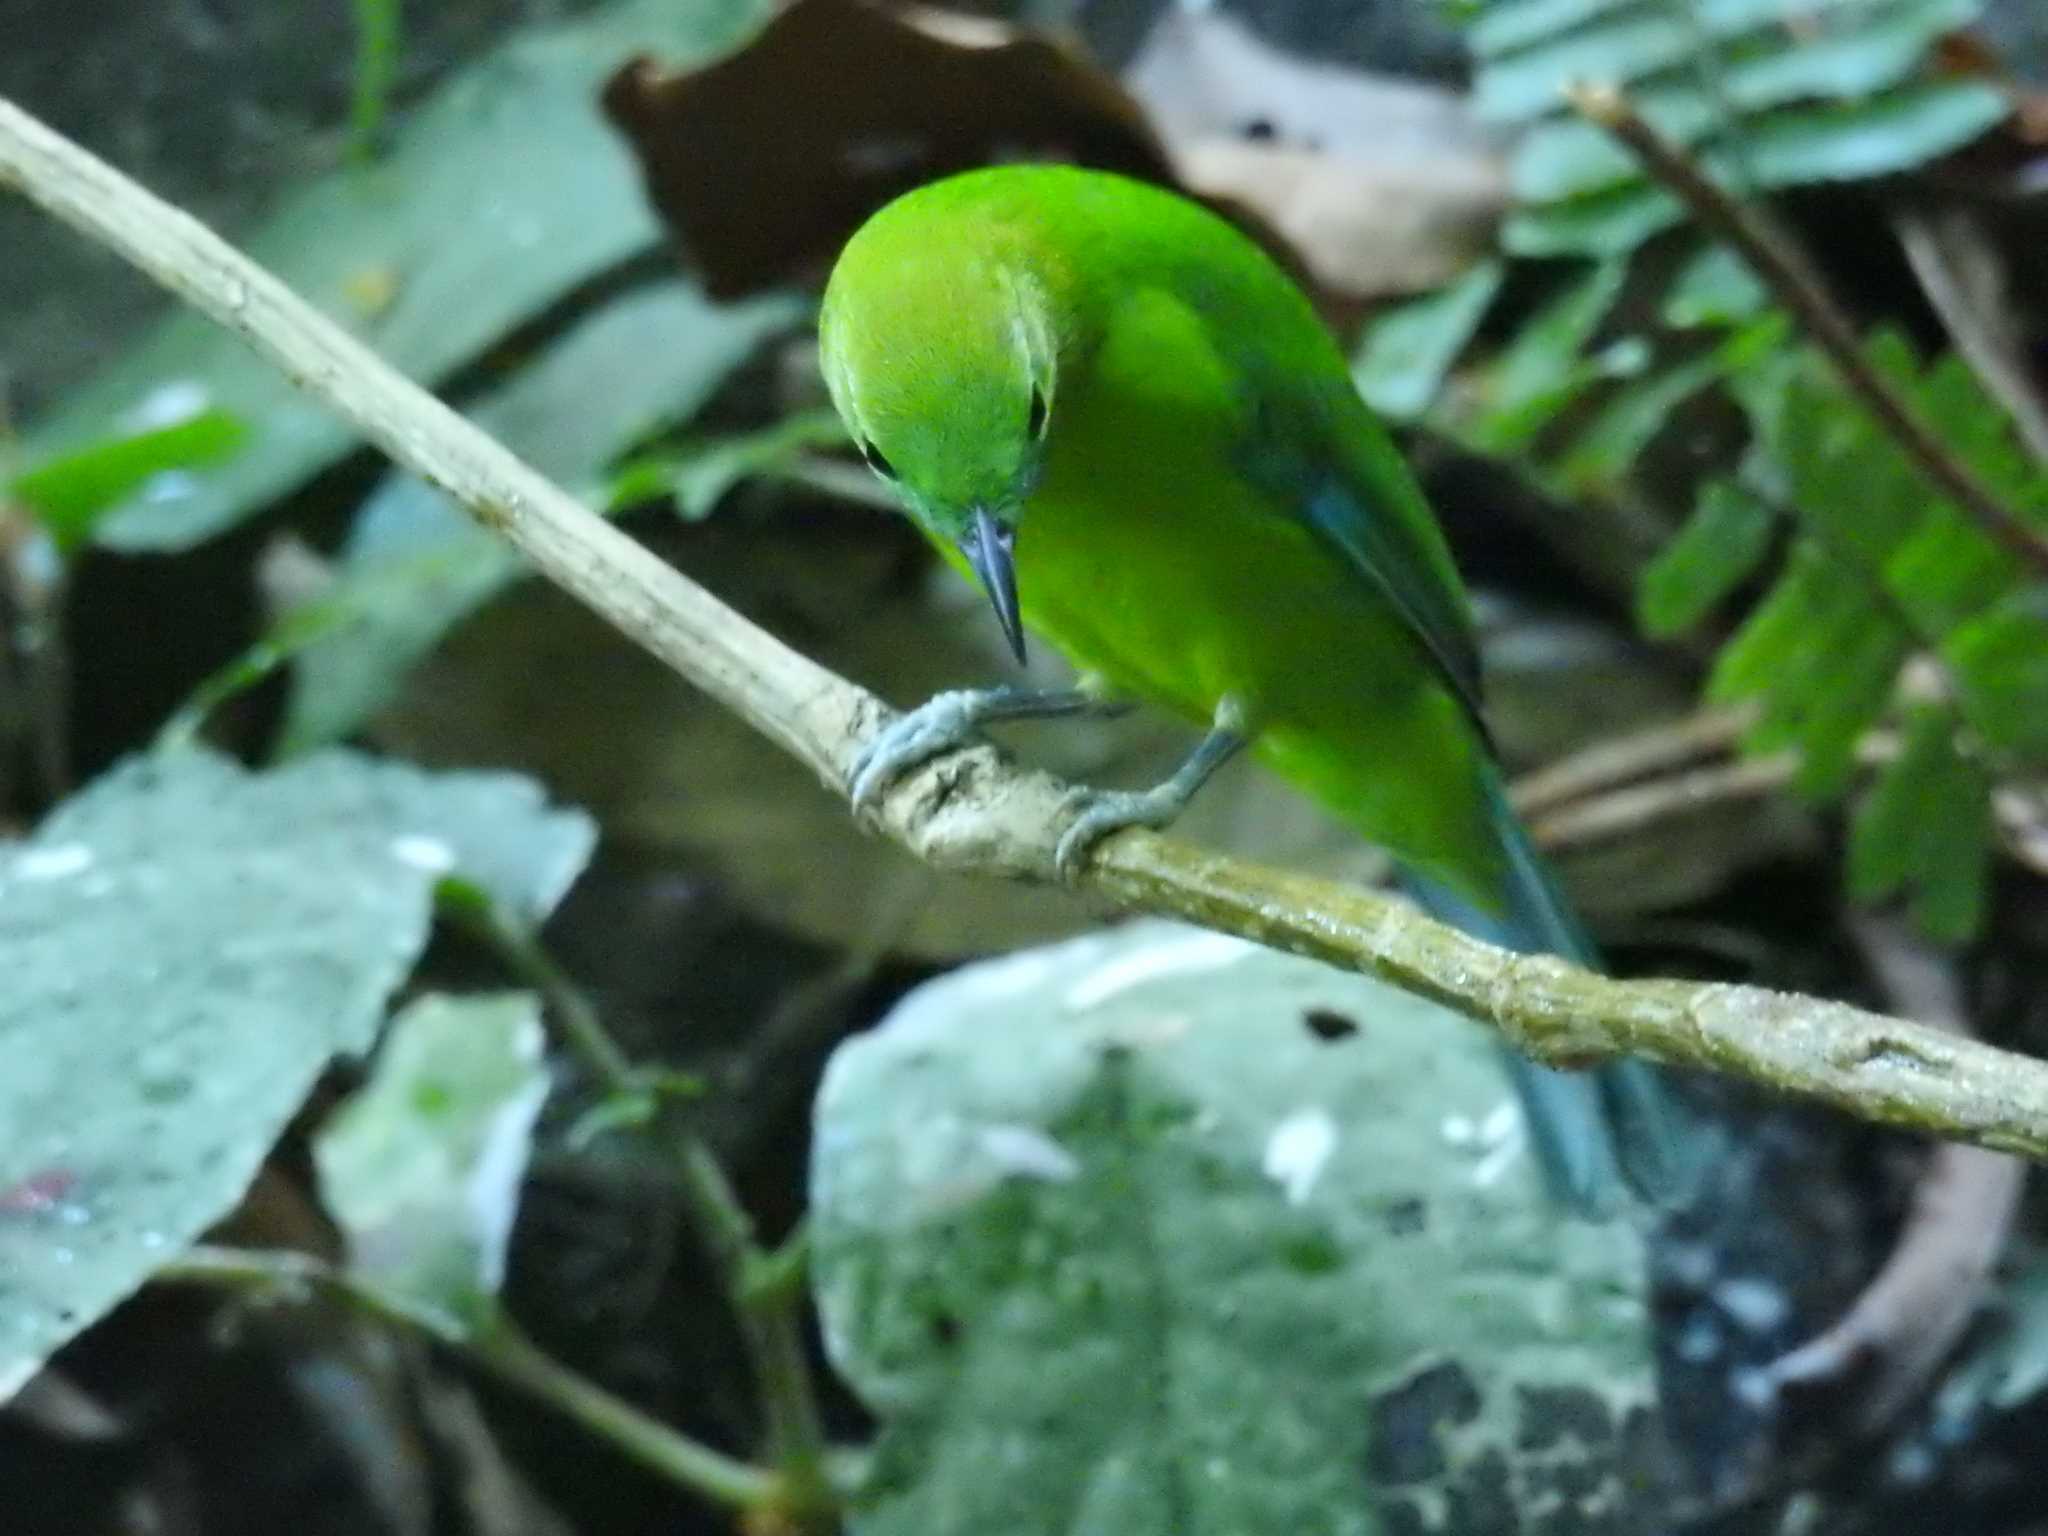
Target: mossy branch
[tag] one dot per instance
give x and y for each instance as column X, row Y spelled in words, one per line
column 972, row 812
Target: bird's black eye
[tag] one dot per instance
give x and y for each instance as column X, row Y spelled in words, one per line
column 876, row 462
column 1039, row 413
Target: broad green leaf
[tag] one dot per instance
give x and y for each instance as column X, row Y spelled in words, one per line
column 1156, row 1233
column 1408, row 351
column 1600, row 458
column 186, row 947
column 1720, row 546
column 1926, row 829
column 1845, row 141
column 1630, row 43
column 1602, row 225
column 1571, row 157
column 1860, row 55
column 1767, row 94
column 503, row 191
column 2001, row 660
column 70, row 493
column 415, row 565
column 1544, row 368
column 422, row 1167
column 1716, row 287
column 1821, row 658
column 1948, row 571
column 1504, row 26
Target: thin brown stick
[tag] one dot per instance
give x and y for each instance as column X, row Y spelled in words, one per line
column 973, row 813
column 1789, row 274
column 1620, row 760
column 1965, row 278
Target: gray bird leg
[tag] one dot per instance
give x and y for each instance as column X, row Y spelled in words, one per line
column 1104, row 811
column 951, row 719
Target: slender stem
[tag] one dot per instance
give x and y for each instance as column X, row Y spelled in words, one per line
column 378, row 28
column 770, row 1321
column 971, row 813
column 1790, row 274
column 506, row 1354
column 1617, row 813
column 1965, row 278
column 574, row 1013
column 1620, row 760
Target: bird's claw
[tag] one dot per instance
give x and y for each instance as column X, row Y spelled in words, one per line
column 1101, row 812
column 938, row 725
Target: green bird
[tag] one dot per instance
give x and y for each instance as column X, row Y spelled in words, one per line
column 1121, row 418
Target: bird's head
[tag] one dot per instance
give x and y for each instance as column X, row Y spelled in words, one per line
column 943, row 359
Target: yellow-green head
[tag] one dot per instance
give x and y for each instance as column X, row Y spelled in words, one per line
column 944, row 362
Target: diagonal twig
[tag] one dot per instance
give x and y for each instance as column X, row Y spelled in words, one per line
column 973, row 813
column 1789, row 274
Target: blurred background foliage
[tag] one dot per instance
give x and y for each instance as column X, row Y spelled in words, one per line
column 1122, row 1232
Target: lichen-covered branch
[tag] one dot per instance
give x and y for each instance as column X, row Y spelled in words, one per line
column 972, row 812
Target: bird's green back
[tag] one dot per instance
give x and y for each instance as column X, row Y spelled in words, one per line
column 1120, row 407
column 917, row 273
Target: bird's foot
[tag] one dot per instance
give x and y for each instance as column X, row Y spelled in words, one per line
column 940, row 724
column 949, row 720
column 1101, row 812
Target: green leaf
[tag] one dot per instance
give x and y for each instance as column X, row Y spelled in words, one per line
column 2001, row 660
column 1846, row 141
column 415, row 566
column 1601, row 457
column 700, row 474
column 1629, row 43
column 1544, row 368
column 1504, row 26
column 1926, row 828
column 186, row 946
column 1766, row 93
column 1116, row 1242
column 1720, row 547
column 1603, row 225
column 70, row 493
column 1716, row 287
column 422, row 1167
column 1571, row 157
column 1408, row 351
column 502, row 192
column 1821, row 659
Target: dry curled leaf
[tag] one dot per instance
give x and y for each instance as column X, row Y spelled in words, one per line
column 1384, row 187
column 765, row 160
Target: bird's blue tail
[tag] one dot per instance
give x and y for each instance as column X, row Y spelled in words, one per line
column 1596, row 1132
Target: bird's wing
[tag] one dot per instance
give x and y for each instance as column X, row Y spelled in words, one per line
column 1331, row 464
column 1302, row 436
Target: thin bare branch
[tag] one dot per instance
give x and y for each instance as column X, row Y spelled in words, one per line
column 1790, row 275
column 971, row 812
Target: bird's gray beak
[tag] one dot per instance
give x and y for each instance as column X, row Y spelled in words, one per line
column 991, row 549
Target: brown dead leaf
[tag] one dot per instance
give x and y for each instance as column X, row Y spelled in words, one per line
column 768, row 159
column 1384, row 187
